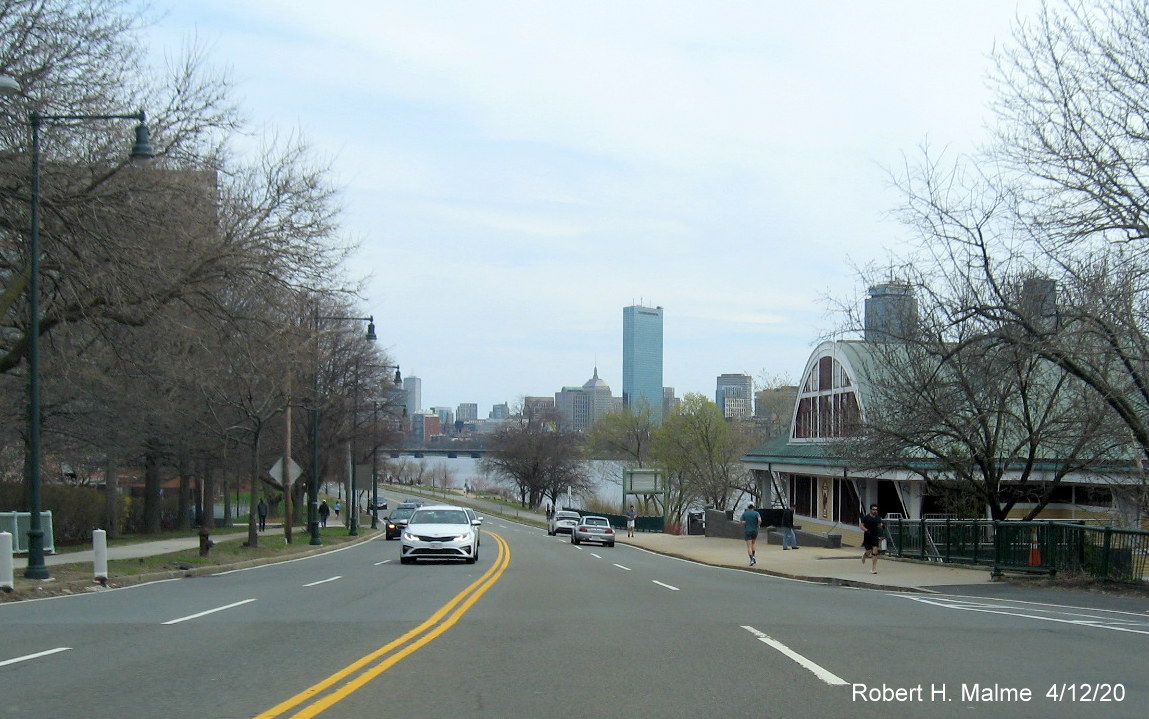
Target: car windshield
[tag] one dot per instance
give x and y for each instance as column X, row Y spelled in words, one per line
column 440, row 516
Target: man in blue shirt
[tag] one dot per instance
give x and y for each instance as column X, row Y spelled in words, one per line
column 751, row 521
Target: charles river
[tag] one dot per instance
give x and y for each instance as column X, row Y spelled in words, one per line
column 466, row 472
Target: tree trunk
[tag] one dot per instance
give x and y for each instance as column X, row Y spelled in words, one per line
column 111, row 500
column 151, row 491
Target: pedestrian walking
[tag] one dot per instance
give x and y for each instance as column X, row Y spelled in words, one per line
column 338, row 506
column 872, row 527
column 324, row 513
column 261, row 511
column 631, row 515
column 751, row 521
column 789, row 538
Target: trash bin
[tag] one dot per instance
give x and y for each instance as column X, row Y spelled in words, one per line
column 695, row 523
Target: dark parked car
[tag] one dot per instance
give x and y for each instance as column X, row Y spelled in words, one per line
column 398, row 518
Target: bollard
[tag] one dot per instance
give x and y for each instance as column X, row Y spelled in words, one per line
column 100, row 552
column 6, row 562
column 205, row 543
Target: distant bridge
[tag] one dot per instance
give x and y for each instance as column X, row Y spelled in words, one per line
column 420, row 452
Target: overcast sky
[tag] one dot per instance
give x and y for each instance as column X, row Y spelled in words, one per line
column 519, row 171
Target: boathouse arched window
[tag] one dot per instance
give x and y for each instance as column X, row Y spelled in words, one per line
column 827, row 402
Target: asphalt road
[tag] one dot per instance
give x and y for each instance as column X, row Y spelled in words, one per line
column 539, row 627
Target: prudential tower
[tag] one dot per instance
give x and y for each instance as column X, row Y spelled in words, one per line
column 642, row 358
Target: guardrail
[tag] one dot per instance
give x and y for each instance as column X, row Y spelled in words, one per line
column 1045, row 547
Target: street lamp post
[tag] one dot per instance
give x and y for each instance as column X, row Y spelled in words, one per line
column 375, row 449
column 141, row 150
column 313, row 485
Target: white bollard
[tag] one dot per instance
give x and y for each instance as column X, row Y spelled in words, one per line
column 100, row 551
column 6, row 562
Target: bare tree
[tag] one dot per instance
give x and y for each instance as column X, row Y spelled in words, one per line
column 538, row 458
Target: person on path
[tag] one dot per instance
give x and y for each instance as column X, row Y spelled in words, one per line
column 338, row 506
column 789, row 538
column 631, row 515
column 324, row 513
column 751, row 521
column 873, row 527
column 261, row 511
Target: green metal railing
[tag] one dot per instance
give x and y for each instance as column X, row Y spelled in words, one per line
column 1046, row 547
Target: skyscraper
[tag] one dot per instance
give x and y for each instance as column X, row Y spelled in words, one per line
column 642, row 358
column 414, row 388
column 734, row 395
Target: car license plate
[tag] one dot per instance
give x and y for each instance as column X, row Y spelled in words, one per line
column 436, row 545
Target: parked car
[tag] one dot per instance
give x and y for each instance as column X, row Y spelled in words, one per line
column 593, row 529
column 398, row 518
column 476, row 521
column 562, row 522
column 439, row 532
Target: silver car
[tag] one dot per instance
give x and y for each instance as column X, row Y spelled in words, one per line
column 477, row 522
column 562, row 522
column 439, row 532
column 593, row 529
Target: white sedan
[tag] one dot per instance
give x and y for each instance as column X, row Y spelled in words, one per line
column 440, row 532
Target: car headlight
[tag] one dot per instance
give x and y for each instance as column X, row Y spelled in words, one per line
column 407, row 536
column 464, row 537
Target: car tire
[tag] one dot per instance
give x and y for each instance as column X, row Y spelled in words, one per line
column 406, row 560
column 610, row 544
column 550, row 533
column 574, row 540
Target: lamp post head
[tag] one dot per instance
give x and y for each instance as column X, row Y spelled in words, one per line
column 371, row 336
column 398, row 378
column 142, row 149
column 9, row 85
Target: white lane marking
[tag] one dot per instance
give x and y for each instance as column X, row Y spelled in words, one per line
column 37, row 655
column 625, row 569
column 823, row 674
column 383, row 562
column 1034, row 611
column 596, row 556
column 210, row 611
column 673, row 589
column 324, row 581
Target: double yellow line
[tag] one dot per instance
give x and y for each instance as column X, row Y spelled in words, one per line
column 335, row 688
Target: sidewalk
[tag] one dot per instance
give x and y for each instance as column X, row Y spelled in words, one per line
column 143, row 549
column 831, row 566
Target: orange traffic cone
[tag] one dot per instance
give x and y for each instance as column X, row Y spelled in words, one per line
column 1034, row 550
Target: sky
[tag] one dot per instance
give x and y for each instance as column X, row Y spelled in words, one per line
column 518, row 171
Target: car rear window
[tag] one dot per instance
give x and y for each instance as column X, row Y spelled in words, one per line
column 567, row 515
column 596, row 522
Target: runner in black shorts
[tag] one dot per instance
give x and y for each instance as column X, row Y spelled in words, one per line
column 872, row 526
